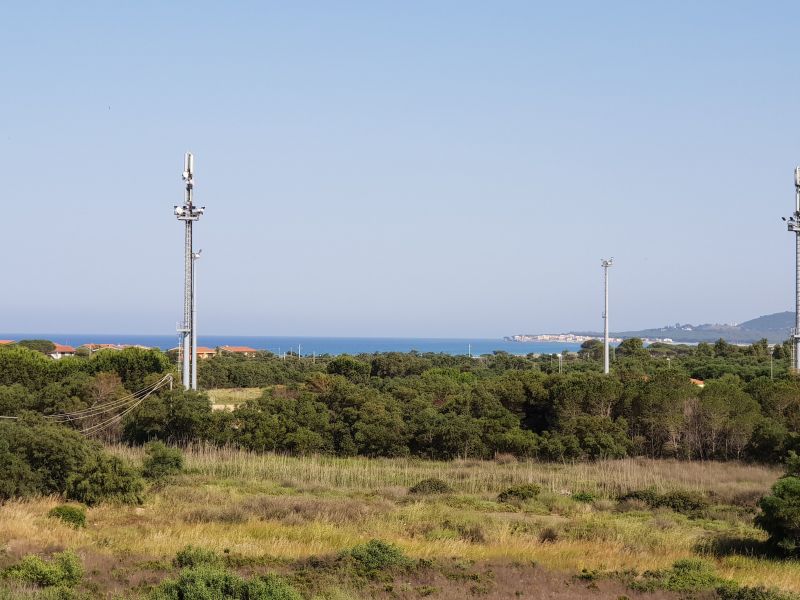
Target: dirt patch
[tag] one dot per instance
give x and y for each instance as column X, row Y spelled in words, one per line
column 493, row 581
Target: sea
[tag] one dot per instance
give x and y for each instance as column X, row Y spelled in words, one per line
column 308, row 346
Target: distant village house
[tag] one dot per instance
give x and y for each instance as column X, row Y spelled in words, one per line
column 61, row 350
column 240, row 350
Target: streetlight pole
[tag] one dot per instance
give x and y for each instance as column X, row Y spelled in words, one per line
column 605, row 263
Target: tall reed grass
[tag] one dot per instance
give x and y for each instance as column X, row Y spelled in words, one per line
column 608, row 478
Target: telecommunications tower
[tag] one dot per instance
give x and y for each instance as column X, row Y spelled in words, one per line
column 793, row 224
column 187, row 329
column 605, row 263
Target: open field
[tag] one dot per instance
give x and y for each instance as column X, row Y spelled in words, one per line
column 273, row 512
column 230, row 398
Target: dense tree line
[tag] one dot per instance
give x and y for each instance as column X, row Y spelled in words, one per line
column 441, row 406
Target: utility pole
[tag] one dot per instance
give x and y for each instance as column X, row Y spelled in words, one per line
column 188, row 213
column 793, row 225
column 606, row 263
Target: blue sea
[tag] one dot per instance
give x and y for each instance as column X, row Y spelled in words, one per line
column 311, row 345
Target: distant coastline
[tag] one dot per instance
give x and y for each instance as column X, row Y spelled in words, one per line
column 569, row 338
column 313, row 345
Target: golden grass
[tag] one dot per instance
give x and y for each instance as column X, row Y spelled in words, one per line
column 230, row 397
column 283, row 508
column 607, row 478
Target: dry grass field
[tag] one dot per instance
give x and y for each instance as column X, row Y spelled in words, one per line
column 230, row 398
column 273, row 511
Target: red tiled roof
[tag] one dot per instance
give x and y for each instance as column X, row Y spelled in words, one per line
column 62, row 349
column 3, row 342
column 238, row 349
column 204, row 350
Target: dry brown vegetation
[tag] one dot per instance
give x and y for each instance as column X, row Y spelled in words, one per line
column 272, row 510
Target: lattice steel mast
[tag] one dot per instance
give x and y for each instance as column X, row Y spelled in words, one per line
column 793, row 224
column 188, row 213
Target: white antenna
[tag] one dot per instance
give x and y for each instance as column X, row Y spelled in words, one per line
column 793, row 225
column 187, row 329
column 605, row 263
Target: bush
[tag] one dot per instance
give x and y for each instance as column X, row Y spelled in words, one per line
column 687, row 575
column 105, row 477
column 681, row 501
column 780, row 514
column 376, row 556
column 684, row 502
column 731, row 591
column 212, row 583
column 44, row 458
column 70, row 514
column 586, row 497
column 161, row 461
column 430, row 486
column 63, row 570
column 519, row 493
column 548, row 535
column 190, row 556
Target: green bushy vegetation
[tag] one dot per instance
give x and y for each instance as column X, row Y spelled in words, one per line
column 681, row 501
column 432, row 485
column 687, row 575
column 376, row 557
column 731, row 591
column 37, row 457
column 206, row 582
column 519, row 493
column 70, row 514
column 63, row 569
column 439, row 406
column 780, row 510
column 161, row 461
column 191, row 556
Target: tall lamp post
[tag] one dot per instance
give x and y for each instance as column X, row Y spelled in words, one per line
column 605, row 263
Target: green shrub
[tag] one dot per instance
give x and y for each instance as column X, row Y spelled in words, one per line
column 376, row 556
column 64, row 569
column 687, row 575
column 519, row 492
column 191, row 556
column 732, row 591
column 684, row 502
column 70, row 514
column 681, row 501
column 161, row 461
column 105, row 477
column 649, row 497
column 780, row 514
column 586, row 497
column 430, row 486
column 44, row 458
column 206, row 582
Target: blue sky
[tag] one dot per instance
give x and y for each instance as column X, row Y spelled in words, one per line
column 397, row 169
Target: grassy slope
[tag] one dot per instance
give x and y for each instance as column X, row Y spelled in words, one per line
column 274, row 509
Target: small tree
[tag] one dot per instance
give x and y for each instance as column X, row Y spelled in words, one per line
column 162, row 461
column 780, row 511
column 43, row 346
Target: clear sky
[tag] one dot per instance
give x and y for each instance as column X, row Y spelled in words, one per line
column 432, row 168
